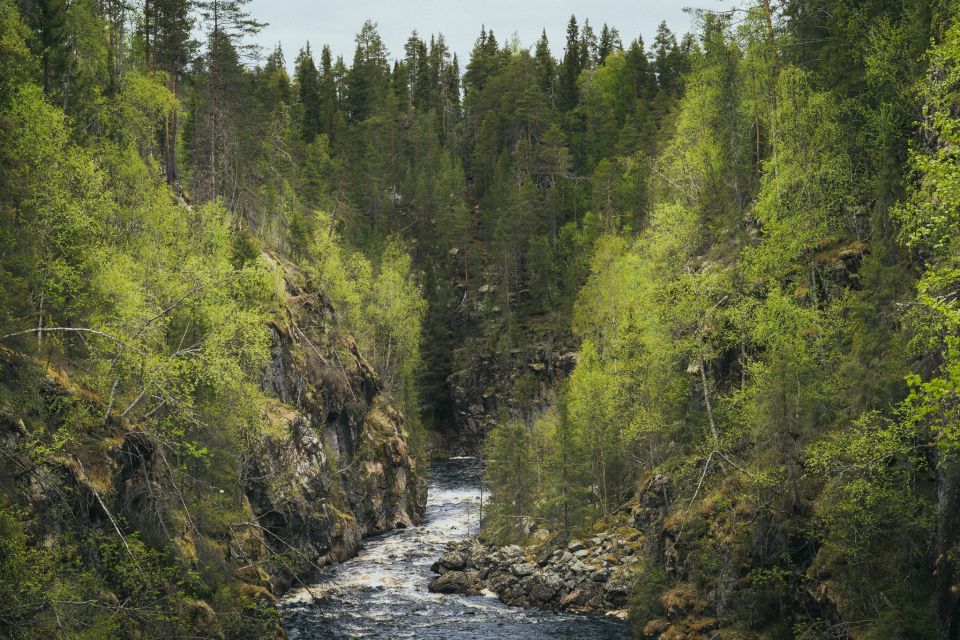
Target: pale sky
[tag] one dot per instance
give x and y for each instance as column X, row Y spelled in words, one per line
column 336, row 22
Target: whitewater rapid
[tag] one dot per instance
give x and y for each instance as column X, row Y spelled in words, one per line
column 382, row 593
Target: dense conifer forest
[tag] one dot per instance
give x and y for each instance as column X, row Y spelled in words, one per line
column 704, row 288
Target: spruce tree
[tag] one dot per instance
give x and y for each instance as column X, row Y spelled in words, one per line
column 367, row 79
column 570, row 68
column 228, row 23
column 50, row 42
column 546, row 66
column 307, row 79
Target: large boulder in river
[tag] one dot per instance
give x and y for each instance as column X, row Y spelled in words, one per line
column 456, row 582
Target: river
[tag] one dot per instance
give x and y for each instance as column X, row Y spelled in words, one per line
column 382, row 593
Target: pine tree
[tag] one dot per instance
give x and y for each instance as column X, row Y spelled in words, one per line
column 439, row 61
column 450, row 106
column 173, row 47
column 50, row 41
column 609, row 42
column 415, row 64
column 484, row 62
column 228, row 24
column 588, row 46
column 330, row 92
column 645, row 81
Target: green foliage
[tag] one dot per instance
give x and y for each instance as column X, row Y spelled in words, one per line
column 652, row 581
column 807, row 184
column 382, row 307
column 54, row 215
column 864, row 481
column 509, row 472
column 25, row 574
column 710, row 224
column 139, row 106
column 17, row 64
column 753, row 329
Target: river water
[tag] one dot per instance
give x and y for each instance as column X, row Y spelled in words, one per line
column 382, row 593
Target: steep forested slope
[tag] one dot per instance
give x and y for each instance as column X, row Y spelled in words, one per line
column 187, row 424
column 700, row 293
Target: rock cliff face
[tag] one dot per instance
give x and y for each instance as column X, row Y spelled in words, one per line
column 483, row 377
column 336, row 465
column 331, row 466
column 518, row 386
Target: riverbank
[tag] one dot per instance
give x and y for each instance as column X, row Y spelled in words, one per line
column 591, row 575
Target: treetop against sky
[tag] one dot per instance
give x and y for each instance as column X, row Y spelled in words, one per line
column 294, row 22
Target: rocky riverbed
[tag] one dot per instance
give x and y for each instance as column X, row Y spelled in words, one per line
column 382, row 593
column 593, row 575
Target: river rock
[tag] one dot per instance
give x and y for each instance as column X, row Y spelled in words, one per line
column 577, row 598
column 454, row 582
column 544, row 587
column 453, row 560
column 618, row 589
column 595, row 576
column 545, row 557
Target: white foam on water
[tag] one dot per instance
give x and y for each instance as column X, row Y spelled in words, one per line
column 382, row 592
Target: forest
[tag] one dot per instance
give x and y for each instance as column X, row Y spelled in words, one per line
column 704, row 287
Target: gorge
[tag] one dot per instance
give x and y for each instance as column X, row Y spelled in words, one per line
column 591, row 338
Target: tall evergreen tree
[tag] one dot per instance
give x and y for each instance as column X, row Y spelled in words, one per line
column 645, row 80
column 570, row 68
column 228, row 24
column 50, row 41
column 307, row 79
column 666, row 62
column 546, row 66
column 330, row 91
column 609, row 42
column 366, row 81
column 588, row 46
